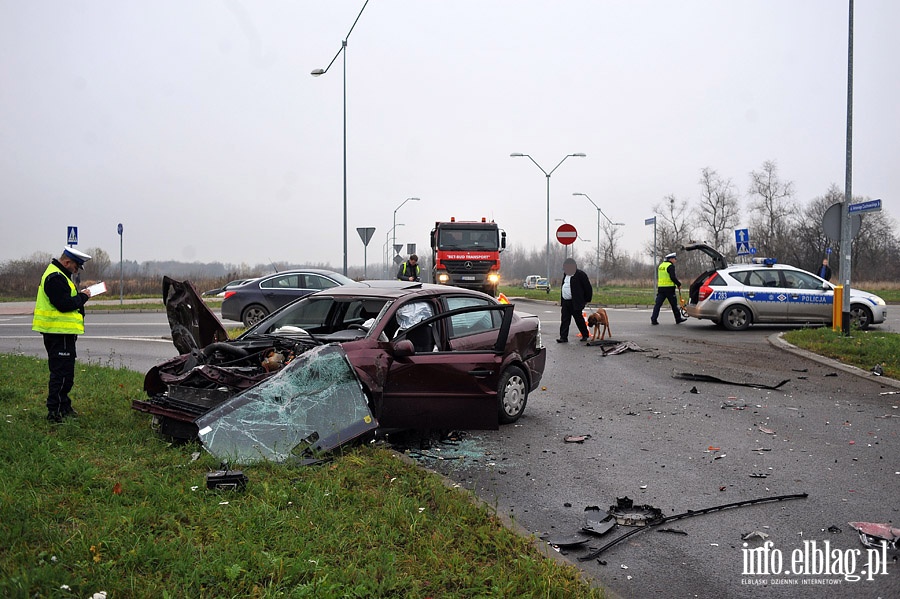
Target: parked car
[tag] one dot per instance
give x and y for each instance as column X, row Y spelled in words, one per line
column 543, row 284
column 531, row 281
column 764, row 291
column 220, row 291
column 256, row 299
column 340, row 362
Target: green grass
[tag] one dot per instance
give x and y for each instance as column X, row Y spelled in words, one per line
column 611, row 295
column 863, row 349
column 103, row 503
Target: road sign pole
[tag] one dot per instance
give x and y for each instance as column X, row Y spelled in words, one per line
column 846, row 232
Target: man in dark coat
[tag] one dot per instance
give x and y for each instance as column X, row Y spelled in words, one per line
column 576, row 291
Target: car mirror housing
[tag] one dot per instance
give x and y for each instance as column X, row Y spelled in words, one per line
column 404, row 347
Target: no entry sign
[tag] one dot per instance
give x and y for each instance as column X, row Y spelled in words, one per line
column 566, row 234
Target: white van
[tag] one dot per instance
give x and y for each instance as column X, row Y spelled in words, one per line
column 531, row 281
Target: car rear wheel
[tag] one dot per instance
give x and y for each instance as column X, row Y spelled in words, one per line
column 737, row 318
column 253, row 314
column 513, row 394
column 860, row 317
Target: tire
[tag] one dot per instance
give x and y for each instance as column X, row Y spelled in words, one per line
column 860, row 317
column 253, row 314
column 512, row 394
column 737, row 318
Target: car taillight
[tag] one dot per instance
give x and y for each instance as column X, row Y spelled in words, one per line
column 705, row 289
column 229, row 294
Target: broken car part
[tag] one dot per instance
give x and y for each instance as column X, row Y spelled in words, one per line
column 598, row 552
column 712, row 379
column 871, row 534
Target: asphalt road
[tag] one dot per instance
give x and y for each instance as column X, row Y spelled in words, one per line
column 824, row 432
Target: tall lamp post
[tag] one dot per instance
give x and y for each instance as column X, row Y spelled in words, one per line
column 394, row 228
column 599, row 212
column 387, row 255
column 318, row 72
column 547, row 174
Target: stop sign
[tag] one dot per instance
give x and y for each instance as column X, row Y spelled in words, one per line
column 566, row 234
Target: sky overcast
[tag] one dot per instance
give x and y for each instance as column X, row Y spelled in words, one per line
column 198, row 126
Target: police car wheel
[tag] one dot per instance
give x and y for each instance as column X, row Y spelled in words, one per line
column 737, row 318
column 860, row 317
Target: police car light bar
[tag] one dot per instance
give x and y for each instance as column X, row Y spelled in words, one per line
column 766, row 261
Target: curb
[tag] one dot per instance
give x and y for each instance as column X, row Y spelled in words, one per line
column 777, row 341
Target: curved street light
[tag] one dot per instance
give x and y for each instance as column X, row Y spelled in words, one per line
column 547, row 174
column 316, row 73
column 395, row 216
column 599, row 212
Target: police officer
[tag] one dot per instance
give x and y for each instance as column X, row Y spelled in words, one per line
column 59, row 317
column 665, row 289
column 409, row 270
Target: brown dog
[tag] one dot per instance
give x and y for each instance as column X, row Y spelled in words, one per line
column 595, row 321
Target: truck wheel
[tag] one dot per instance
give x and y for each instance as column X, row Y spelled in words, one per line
column 512, row 394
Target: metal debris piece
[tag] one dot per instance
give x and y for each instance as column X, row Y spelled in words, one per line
column 712, row 379
column 759, row 475
column 571, row 541
column 595, row 554
column 576, row 438
column 694, row 390
column 871, row 534
column 734, row 405
column 756, row 535
column 620, row 348
column 878, row 370
column 628, row 514
column 596, row 524
column 673, row 531
column 768, row 431
column 834, row 529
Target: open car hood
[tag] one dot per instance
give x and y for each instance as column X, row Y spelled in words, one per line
column 718, row 259
column 193, row 324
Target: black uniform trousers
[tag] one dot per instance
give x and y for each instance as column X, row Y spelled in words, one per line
column 61, row 361
column 663, row 294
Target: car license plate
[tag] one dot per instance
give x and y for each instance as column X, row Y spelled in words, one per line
column 468, row 278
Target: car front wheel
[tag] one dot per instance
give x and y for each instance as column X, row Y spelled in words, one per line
column 860, row 317
column 253, row 314
column 513, row 394
column 737, row 318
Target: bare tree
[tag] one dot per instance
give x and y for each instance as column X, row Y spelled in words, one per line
column 673, row 228
column 99, row 264
column 609, row 248
column 771, row 204
column 718, row 208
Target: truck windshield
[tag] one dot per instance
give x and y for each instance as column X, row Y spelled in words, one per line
column 469, row 239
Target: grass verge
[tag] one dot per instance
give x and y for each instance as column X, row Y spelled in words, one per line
column 102, row 503
column 863, row 349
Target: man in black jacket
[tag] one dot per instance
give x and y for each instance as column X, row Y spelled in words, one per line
column 576, row 291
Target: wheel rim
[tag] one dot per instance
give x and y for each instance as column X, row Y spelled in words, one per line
column 253, row 316
column 737, row 318
column 514, row 395
column 859, row 317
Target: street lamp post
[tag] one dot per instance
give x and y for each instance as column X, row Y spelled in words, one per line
column 318, row 72
column 547, row 174
column 395, row 216
column 387, row 239
column 599, row 212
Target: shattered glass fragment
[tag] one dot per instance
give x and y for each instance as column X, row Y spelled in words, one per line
column 313, row 405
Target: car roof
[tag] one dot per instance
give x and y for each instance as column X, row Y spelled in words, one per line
column 389, row 289
column 316, row 271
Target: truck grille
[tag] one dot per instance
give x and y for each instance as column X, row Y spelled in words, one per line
column 468, row 267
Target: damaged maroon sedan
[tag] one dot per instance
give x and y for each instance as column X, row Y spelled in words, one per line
column 342, row 362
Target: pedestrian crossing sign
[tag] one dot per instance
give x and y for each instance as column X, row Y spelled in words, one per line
column 72, row 236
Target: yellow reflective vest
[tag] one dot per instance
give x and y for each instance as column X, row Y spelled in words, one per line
column 47, row 319
column 662, row 275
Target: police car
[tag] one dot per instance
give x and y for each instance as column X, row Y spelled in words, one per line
column 765, row 292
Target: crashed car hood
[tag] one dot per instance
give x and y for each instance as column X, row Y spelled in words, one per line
column 193, row 324
column 313, row 405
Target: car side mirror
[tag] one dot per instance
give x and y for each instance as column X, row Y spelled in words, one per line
column 827, row 287
column 404, row 347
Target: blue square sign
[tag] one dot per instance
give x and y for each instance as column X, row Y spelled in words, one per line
column 742, row 241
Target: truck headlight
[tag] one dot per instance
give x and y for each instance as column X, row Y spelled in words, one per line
column 493, row 278
column 443, row 278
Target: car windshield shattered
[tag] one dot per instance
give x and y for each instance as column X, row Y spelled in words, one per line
column 312, row 405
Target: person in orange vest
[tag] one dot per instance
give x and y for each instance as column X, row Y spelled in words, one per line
column 59, row 317
column 575, row 292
